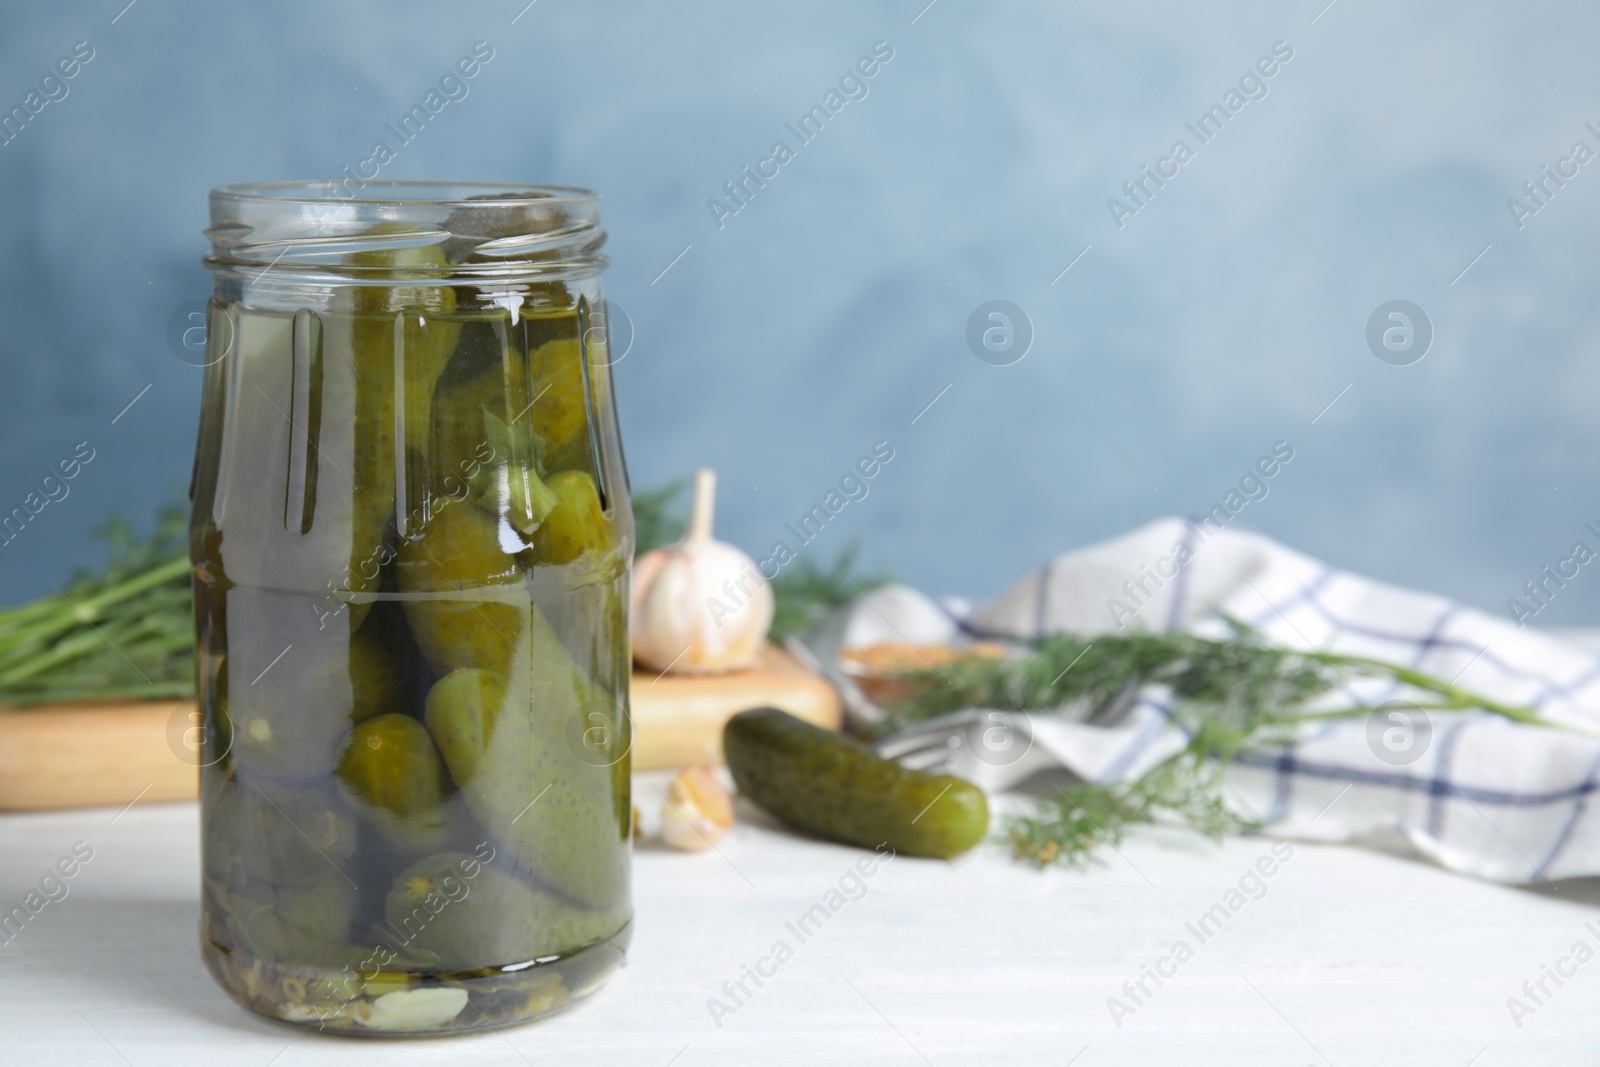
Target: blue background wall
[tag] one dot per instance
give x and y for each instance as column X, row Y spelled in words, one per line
column 824, row 316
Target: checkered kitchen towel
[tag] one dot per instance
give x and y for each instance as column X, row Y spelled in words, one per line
column 1471, row 790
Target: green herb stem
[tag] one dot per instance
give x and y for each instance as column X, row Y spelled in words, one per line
column 123, row 631
column 63, row 614
column 1457, row 697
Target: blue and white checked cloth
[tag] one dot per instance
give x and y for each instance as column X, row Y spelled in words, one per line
column 1472, row 791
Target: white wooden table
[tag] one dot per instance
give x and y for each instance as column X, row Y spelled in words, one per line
column 1348, row 957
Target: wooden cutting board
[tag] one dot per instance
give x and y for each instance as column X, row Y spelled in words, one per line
column 96, row 755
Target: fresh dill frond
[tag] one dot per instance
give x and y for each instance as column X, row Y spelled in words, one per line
column 658, row 516
column 125, row 630
column 1068, row 828
column 1226, row 695
column 805, row 591
column 1238, row 681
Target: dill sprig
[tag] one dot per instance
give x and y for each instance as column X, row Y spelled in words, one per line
column 1226, row 695
column 658, row 516
column 805, row 591
column 126, row 630
column 1067, row 828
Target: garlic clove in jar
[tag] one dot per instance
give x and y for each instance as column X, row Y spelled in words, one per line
column 697, row 811
column 699, row 606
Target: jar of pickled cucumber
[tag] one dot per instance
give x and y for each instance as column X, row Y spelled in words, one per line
column 411, row 539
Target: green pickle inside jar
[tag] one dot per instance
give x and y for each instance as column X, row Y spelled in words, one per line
column 411, row 538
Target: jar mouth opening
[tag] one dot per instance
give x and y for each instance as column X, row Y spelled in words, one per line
column 394, row 231
column 396, row 192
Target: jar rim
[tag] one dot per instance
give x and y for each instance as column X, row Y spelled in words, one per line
column 466, row 193
column 314, row 233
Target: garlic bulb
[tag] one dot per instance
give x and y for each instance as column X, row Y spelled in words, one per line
column 699, row 606
column 697, row 811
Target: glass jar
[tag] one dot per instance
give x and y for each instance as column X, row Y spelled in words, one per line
column 411, row 539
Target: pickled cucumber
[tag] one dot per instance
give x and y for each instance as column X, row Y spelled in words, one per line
column 393, row 775
column 561, row 410
column 295, row 923
column 470, row 605
column 466, row 914
column 574, row 525
column 829, row 785
column 292, row 721
column 266, row 832
column 536, row 758
column 410, row 325
column 486, row 376
column 274, row 866
column 296, row 489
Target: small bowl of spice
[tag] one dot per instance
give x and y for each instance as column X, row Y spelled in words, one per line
column 889, row 672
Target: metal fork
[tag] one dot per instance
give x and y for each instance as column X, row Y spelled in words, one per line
column 992, row 749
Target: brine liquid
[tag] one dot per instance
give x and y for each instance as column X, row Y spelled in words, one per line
column 411, row 536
